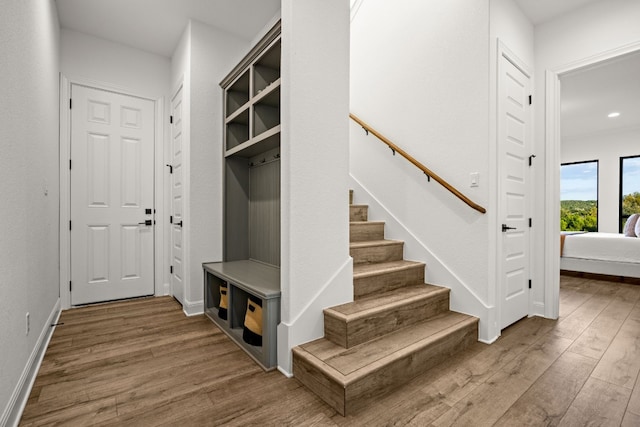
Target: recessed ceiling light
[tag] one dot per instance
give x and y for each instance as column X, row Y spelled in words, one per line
column 614, row 114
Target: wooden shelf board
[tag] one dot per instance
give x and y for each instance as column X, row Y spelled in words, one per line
column 233, row 116
column 266, row 91
column 267, row 140
column 256, row 278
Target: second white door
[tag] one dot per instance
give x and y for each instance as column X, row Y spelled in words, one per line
column 513, row 157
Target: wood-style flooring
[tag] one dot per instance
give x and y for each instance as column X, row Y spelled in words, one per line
column 144, row 363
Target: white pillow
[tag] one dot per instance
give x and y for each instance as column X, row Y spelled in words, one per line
column 630, row 226
column 637, row 229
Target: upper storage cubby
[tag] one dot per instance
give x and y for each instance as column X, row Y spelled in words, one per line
column 252, row 100
column 238, row 94
column 266, row 70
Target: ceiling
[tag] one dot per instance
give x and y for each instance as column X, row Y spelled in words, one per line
column 541, row 11
column 588, row 95
column 156, row 25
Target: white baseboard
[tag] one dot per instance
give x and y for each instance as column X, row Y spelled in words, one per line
column 20, row 395
column 285, row 373
column 193, row 308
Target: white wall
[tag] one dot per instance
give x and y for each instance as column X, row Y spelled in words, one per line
column 593, row 30
column 316, row 269
column 607, row 148
column 213, row 54
column 90, row 57
column 29, row 48
column 420, row 76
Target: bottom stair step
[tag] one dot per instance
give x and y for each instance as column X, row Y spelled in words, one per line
column 349, row 379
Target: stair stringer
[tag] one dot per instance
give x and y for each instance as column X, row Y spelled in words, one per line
column 308, row 324
column 463, row 299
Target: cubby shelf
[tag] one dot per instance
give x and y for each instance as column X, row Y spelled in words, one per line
column 243, row 279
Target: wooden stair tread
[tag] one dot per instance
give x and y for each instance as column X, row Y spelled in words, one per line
column 365, row 270
column 348, row 365
column 374, row 243
column 371, row 304
column 366, row 222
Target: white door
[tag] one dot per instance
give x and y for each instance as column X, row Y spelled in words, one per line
column 177, row 201
column 112, row 150
column 513, row 157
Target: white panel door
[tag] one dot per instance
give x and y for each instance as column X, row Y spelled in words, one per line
column 177, row 201
column 112, row 151
column 513, row 151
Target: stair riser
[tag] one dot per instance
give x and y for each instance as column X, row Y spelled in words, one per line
column 372, row 254
column 387, row 281
column 366, row 231
column 358, row 213
column 352, row 397
column 325, row 387
column 369, row 389
column 377, row 324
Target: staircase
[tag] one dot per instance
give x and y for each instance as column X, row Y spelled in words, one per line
column 396, row 328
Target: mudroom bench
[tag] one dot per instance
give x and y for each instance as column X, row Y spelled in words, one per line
column 245, row 281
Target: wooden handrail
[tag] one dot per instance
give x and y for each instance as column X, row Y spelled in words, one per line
column 419, row 165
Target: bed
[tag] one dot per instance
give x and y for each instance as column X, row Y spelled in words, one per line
column 607, row 254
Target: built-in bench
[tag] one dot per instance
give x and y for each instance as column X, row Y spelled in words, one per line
column 244, row 279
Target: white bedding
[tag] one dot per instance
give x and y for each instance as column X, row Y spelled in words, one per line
column 603, row 247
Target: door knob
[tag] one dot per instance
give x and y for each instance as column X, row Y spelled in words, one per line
column 146, row 222
column 179, row 223
column 505, row 228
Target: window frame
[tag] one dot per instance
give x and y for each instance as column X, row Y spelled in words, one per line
column 620, row 195
column 597, row 162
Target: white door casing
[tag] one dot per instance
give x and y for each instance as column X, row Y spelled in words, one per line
column 514, row 122
column 177, row 198
column 112, row 186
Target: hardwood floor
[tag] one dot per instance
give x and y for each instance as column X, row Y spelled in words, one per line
column 143, row 362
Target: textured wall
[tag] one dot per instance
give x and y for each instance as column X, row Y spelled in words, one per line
column 29, row 256
column 316, row 268
column 420, row 76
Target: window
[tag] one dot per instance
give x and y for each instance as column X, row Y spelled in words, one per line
column 629, row 188
column 579, row 196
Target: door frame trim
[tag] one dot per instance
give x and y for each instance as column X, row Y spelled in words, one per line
column 509, row 55
column 160, row 285
column 552, row 175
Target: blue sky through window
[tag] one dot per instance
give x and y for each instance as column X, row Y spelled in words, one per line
column 630, row 175
column 579, row 181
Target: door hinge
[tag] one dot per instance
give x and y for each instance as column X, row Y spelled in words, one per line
column 70, row 103
column 70, row 286
column 170, row 219
column 529, row 283
column 69, row 164
column 530, row 99
column 530, row 222
column 171, row 119
column 171, row 269
column 69, row 225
